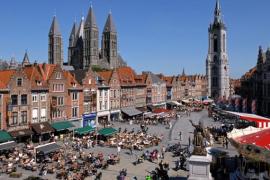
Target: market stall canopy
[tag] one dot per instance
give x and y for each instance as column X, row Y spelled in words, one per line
column 48, row 148
column 185, row 101
column 4, row 136
column 8, row 145
column 161, row 110
column 260, row 138
column 21, row 133
column 84, row 130
column 42, row 128
column 242, row 132
column 107, row 131
column 131, row 111
column 63, row 125
column 208, row 101
column 260, row 121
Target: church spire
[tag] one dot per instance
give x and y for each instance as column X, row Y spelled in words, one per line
column 91, row 19
column 109, row 26
column 25, row 59
column 183, row 72
column 218, row 15
column 55, row 30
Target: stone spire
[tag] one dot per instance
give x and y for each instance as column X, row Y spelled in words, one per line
column 55, row 50
column 218, row 15
column 90, row 42
column 80, row 29
column 183, row 72
column 260, row 55
column 109, row 26
column 25, row 60
column 91, row 19
column 55, row 30
column 72, row 35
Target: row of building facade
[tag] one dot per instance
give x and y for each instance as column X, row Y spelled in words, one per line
column 47, row 93
column 255, row 84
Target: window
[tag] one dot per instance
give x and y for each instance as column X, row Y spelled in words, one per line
column 24, row 117
column 58, row 75
column 75, row 111
column 89, row 81
column 100, row 93
column 23, row 99
column 34, row 98
column 14, row 99
column 19, row 82
column 58, row 87
column 43, row 97
column 100, row 105
column 215, row 43
column 105, row 105
column 114, row 93
column 224, row 43
column 60, row 101
column 105, row 93
column 34, row 115
column 43, row 113
column 74, row 96
column 14, row 118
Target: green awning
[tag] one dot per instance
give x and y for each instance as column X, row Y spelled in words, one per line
column 4, row 137
column 59, row 126
column 84, row 130
column 107, row 131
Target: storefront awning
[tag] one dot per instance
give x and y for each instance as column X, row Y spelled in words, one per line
column 84, row 130
column 63, row 125
column 107, row 131
column 48, row 148
column 131, row 111
column 4, row 136
column 8, row 145
column 21, row 133
column 42, row 128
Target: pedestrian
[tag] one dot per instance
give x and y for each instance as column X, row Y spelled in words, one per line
column 170, row 125
column 130, row 149
column 189, row 141
column 180, row 135
column 226, row 143
column 163, row 149
column 118, row 150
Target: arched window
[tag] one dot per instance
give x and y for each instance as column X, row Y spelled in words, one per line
column 215, row 59
column 215, row 43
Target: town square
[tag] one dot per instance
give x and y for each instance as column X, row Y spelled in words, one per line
column 186, row 98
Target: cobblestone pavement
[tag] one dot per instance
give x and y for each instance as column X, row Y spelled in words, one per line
column 171, row 136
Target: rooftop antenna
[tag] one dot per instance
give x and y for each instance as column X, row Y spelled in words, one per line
column 54, row 12
column 91, row 5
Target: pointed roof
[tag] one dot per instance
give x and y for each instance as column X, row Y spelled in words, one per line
column 91, row 19
column 74, row 30
column 218, row 18
column 25, row 59
column 55, row 30
column 183, row 72
column 79, row 32
column 109, row 26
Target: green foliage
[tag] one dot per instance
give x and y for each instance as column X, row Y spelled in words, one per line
column 97, row 68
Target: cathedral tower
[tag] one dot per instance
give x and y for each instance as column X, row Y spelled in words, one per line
column 90, row 45
column 217, row 66
column 55, row 44
column 109, row 43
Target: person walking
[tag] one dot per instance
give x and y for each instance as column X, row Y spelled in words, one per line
column 180, row 135
column 226, row 143
column 118, row 150
column 189, row 141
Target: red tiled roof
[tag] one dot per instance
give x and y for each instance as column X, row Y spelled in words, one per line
column 161, row 110
column 5, row 76
column 106, row 75
column 126, row 75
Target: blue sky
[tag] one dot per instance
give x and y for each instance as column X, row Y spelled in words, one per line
column 158, row 35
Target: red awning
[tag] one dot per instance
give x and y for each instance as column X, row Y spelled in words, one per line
column 161, row 110
column 260, row 139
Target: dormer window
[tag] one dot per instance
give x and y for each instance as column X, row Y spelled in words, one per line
column 39, row 83
column 19, row 82
column 73, row 85
column 58, row 75
column 89, row 81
